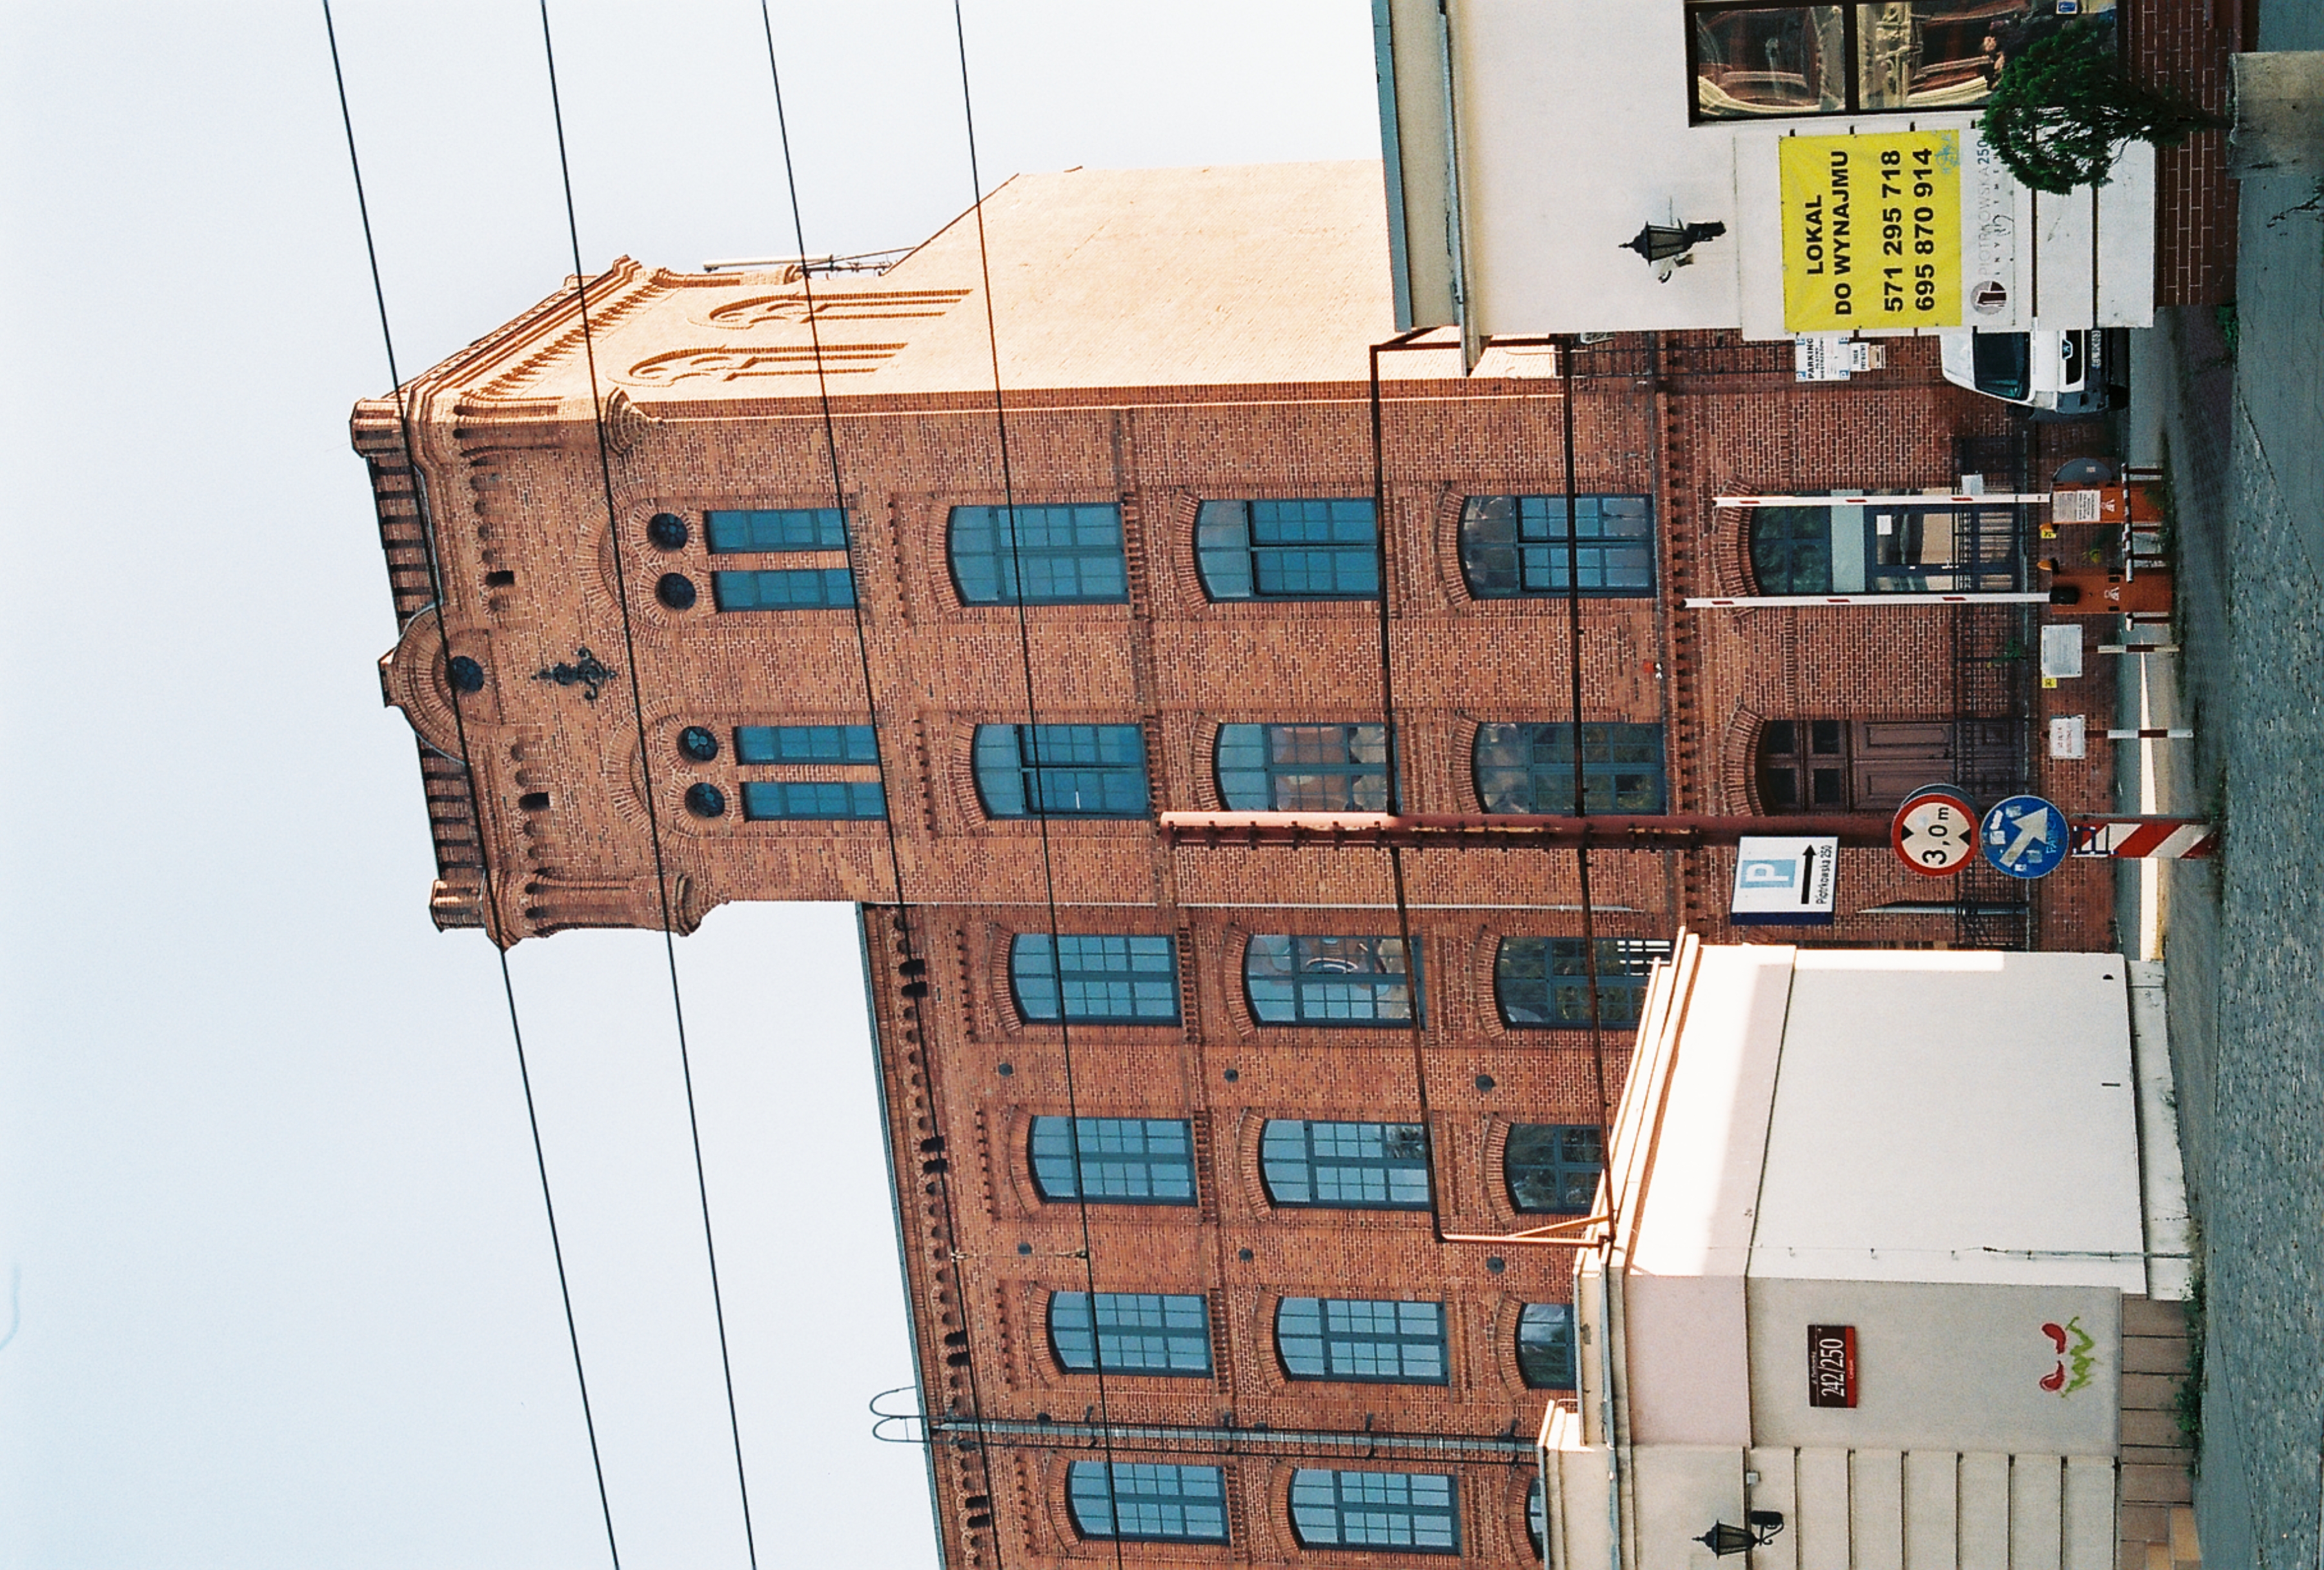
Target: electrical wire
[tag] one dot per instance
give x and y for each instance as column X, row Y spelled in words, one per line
column 1038, row 796
column 645, row 765
column 871, row 708
column 1417, row 982
column 469, row 773
column 1581, row 776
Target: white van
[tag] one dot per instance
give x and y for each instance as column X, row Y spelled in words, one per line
column 2061, row 375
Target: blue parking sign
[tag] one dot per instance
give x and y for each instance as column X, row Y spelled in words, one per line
column 2024, row 837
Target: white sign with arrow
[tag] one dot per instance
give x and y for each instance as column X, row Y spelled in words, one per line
column 1784, row 882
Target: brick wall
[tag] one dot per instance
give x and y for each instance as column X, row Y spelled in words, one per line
column 2182, row 47
column 532, row 578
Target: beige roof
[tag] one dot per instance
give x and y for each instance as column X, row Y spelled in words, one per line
column 1104, row 278
column 1248, row 274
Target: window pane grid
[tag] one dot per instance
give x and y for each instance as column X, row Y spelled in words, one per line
column 1295, row 980
column 1359, row 1339
column 777, row 528
column 1125, row 979
column 1146, row 1502
column 1135, row 1332
column 1546, row 1346
column 786, row 588
column 1068, row 555
column 1416, row 1511
column 764, row 799
column 1288, row 549
column 1344, row 1166
column 1753, row 60
column 1303, row 768
column 1516, row 547
column 1062, row 771
column 805, row 744
column 1123, row 1160
column 1529, row 768
column 1542, row 982
column 1553, row 1168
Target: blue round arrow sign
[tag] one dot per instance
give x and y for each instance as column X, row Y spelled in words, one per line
column 2024, row 837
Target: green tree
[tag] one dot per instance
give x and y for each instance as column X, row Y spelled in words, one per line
column 2062, row 108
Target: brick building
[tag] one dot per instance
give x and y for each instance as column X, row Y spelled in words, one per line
column 1281, row 1352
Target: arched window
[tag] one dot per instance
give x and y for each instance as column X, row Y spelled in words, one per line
column 1303, row 768
column 1527, row 768
column 1061, row 770
column 1362, row 1340
column 1791, row 551
column 1416, row 1512
column 1068, row 555
column 1121, row 1161
column 1344, row 1166
column 1113, row 978
column 1292, row 980
column 1289, row 550
column 1546, row 1346
column 1553, row 1168
column 1147, row 1502
column 1541, row 982
column 1516, row 546
column 1131, row 1332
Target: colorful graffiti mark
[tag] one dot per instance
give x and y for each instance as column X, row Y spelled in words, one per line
column 2075, row 1361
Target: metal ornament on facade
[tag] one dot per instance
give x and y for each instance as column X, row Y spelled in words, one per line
column 586, row 671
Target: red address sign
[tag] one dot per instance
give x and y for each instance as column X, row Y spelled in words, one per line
column 1832, row 1365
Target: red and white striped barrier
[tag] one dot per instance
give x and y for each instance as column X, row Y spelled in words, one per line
column 2144, row 838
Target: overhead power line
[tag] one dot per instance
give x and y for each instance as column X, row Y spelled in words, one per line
column 936, row 1163
column 1038, row 795
column 646, row 769
column 469, row 773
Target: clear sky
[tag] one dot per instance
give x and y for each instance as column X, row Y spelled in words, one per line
column 282, row 1292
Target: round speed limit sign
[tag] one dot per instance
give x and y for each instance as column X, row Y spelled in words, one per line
column 1935, row 831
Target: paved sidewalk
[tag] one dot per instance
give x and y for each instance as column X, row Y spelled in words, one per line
column 2240, row 424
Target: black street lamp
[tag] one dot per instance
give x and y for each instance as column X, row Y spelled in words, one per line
column 1660, row 243
column 1723, row 1539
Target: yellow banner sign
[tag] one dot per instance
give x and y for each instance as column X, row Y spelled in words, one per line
column 1872, row 231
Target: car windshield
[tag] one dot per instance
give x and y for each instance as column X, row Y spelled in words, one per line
column 2001, row 361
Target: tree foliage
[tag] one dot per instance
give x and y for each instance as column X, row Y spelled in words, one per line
column 2062, row 108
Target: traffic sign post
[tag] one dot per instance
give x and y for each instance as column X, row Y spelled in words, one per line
column 2024, row 837
column 2144, row 838
column 1935, row 831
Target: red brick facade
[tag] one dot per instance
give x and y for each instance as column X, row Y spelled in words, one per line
column 2182, row 47
column 532, row 577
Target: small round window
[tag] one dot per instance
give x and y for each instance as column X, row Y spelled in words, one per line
column 668, row 530
column 705, row 800
column 699, row 743
column 677, row 591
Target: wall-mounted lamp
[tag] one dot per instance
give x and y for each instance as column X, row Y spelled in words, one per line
column 1665, row 247
column 1759, row 1531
